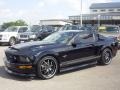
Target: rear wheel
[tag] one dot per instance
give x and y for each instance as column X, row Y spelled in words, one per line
column 47, row 67
column 106, row 57
column 12, row 41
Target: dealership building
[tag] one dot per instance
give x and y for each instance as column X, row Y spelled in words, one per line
column 55, row 22
column 100, row 13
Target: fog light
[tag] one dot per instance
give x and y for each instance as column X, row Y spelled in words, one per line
column 24, row 67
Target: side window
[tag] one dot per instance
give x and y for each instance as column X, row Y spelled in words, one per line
column 86, row 38
column 22, row 29
column 48, row 30
column 75, row 27
column 14, row 29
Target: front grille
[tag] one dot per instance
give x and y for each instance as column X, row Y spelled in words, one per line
column 23, row 36
column 12, row 58
column 0, row 37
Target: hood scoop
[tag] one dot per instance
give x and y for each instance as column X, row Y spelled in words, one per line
column 11, row 47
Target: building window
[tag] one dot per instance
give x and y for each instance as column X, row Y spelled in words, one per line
column 111, row 10
column 102, row 10
column 94, row 10
column 118, row 9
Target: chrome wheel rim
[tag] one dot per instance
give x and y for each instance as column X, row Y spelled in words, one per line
column 48, row 68
column 107, row 57
column 12, row 42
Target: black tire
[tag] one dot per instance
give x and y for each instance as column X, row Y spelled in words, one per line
column 41, row 38
column 12, row 41
column 106, row 57
column 47, row 67
column 38, row 39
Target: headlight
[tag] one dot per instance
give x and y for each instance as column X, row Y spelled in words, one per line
column 24, row 59
column 32, row 36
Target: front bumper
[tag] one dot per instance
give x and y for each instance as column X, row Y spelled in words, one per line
column 119, row 45
column 18, row 74
column 4, row 40
column 12, row 68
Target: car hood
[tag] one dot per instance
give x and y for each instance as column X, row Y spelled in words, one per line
column 30, row 45
column 7, row 33
column 32, row 48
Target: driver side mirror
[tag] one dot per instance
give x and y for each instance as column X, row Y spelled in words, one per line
column 73, row 44
column 75, row 41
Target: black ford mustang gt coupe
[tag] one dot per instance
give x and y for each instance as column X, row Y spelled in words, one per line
column 63, row 50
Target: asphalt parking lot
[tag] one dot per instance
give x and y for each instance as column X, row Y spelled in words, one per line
column 92, row 78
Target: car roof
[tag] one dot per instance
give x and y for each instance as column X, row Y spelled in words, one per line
column 110, row 26
column 70, row 31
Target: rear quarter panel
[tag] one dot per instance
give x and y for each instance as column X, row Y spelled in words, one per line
column 108, row 42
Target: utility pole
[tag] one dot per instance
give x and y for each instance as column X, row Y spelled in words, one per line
column 99, row 20
column 81, row 14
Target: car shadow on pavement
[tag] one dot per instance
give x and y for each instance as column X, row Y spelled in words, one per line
column 4, row 44
column 76, row 70
column 4, row 74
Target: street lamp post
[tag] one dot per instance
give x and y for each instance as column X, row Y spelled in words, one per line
column 98, row 20
column 81, row 14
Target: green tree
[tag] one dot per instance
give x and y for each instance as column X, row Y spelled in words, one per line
column 15, row 23
column 20, row 23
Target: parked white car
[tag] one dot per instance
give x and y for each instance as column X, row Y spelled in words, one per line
column 10, row 35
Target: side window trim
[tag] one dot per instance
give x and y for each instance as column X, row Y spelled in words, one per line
column 89, row 41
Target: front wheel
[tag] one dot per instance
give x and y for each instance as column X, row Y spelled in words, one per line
column 12, row 41
column 47, row 67
column 106, row 57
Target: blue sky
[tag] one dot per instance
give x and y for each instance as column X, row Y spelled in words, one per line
column 34, row 10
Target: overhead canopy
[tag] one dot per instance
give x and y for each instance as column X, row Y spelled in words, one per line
column 54, row 22
column 105, row 5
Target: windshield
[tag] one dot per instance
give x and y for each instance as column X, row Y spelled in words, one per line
column 35, row 28
column 60, row 37
column 1, row 30
column 11, row 29
column 109, row 29
column 22, row 29
column 71, row 27
column 47, row 28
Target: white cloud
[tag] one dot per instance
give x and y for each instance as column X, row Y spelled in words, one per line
column 60, row 16
column 41, row 4
column 1, row 3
